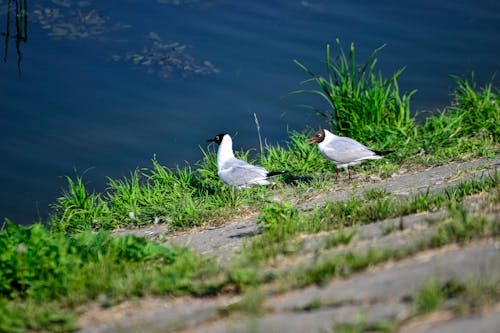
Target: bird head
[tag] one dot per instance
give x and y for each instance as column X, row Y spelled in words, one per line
column 218, row 138
column 319, row 136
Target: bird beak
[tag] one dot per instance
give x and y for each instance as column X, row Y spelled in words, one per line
column 313, row 140
column 211, row 140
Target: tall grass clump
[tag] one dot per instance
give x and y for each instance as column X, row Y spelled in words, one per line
column 362, row 103
column 78, row 209
column 477, row 108
column 469, row 127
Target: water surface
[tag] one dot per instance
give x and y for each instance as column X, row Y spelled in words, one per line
column 100, row 87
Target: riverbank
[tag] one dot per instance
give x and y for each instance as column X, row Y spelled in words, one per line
column 181, row 239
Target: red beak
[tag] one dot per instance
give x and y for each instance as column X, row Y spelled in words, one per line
column 313, row 140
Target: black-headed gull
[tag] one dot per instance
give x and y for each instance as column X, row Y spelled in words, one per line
column 344, row 151
column 235, row 172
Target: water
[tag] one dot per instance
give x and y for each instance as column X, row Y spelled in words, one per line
column 79, row 104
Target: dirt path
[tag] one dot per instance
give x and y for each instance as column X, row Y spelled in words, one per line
column 377, row 294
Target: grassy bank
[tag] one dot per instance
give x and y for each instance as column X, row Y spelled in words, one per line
column 47, row 271
column 363, row 105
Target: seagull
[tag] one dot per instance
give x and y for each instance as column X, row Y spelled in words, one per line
column 344, row 151
column 235, row 172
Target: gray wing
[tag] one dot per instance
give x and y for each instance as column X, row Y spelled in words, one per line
column 237, row 172
column 344, row 150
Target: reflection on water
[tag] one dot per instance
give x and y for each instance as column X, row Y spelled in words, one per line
column 197, row 3
column 17, row 15
column 71, row 20
column 166, row 59
column 65, row 19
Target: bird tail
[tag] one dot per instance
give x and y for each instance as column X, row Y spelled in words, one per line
column 383, row 152
column 275, row 173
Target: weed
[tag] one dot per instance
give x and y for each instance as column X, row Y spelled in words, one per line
column 429, row 298
column 38, row 266
column 313, row 305
column 279, row 220
column 363, row 105
column 461, row 229
column 375, row 193
column 468, row 296
column 79, row 210
column 362, row 325
column 251, row 304
column 341, row 237
column 478, row 109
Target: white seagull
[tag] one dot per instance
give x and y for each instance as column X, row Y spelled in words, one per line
column 235, row 172
column 344, row 151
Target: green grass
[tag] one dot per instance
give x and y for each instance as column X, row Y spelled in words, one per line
column 468, row 297
column 79, row 210
column 429, row 298
column 189, row 196
column 369, row 108
column 363, row 325
column 462, row 298
column 362, row 103
column 357, row 210
column 251, row 303
column 282, row 225
column 48, row 274
column 182, row 198
column 347, row 263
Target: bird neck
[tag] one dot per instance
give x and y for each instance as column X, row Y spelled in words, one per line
column 329, row 136
column 225, row 151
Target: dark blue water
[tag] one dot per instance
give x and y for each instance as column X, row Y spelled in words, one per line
column 103, row 86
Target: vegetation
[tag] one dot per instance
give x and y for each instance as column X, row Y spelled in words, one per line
column 362, row 104
column 48, row 270
column 61, row 271
column 347, row 263
column 461, row 298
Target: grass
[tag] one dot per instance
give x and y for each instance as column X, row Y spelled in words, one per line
column 462, row 298
column 182, row 198
column 429, row 298
column 363, row 325
column 48, row 274
column 189, row 196
column 362, row 104
column 347, row 263
column 251, row 303
column 282, row 226
column 40, row 266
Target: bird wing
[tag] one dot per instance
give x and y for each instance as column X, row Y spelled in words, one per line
column 237, row 172
column 344, row 150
